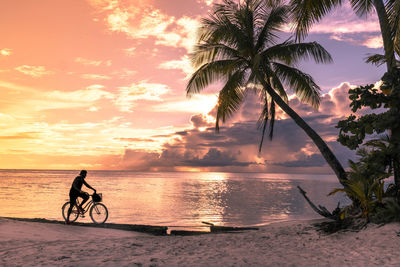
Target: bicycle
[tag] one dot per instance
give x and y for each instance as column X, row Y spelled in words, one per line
column 98, row 211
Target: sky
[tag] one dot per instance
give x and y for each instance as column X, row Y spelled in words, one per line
column 100, row 85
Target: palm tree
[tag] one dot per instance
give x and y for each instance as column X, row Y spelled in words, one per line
column 307, row 12
column 238, row 44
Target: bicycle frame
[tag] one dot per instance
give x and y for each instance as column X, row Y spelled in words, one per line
column 86, row 206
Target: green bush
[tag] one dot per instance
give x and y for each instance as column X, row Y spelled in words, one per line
column 388, row 212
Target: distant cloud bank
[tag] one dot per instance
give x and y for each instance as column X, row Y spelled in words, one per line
column 235, row 147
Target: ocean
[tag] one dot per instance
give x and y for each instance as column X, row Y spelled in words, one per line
column 175, row 199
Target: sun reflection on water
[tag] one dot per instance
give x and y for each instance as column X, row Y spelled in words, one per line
column 171, row 199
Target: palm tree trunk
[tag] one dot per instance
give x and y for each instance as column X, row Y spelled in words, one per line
column 388, row 46
column 322, row 146
column 395, row 130
column 386, row 34
column 396, row 170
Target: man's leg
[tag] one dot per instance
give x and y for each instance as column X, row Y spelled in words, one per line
column 72, row 200
column 85, row 197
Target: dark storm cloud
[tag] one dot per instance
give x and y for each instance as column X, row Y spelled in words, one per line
column 215, row 158
column 199, row 121
column 315, row 160
column 183, row 133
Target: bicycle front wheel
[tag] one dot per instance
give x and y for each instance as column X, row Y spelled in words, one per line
column 74, row 213
column 98, row 213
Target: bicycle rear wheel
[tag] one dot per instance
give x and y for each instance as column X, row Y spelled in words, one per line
column 74, row 213
column 98, row 213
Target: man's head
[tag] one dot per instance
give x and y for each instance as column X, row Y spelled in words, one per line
column 83, row 173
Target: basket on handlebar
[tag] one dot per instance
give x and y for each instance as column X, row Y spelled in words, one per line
column 97, row 197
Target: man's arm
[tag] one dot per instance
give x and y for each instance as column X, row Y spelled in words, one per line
column 87, row 185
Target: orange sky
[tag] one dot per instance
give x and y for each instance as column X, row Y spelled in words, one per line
column 100, row 84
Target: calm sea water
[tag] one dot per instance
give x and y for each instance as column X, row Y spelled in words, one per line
column 170, row 198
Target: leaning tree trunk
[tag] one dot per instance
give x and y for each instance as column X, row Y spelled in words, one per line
column 392, row 71
column 322, row 146
column 388, row 44
column 395, row 129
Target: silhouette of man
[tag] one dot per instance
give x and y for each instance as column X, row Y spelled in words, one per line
column 76, row 191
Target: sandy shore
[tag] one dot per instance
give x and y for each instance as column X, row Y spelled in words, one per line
column 295, row 243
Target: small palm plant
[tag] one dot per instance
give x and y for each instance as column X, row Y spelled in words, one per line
column 238, row 44
column 381, row 154
column 365, row 185
column 390, row 212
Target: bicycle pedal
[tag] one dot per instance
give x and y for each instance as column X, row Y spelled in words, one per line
column 82, row 216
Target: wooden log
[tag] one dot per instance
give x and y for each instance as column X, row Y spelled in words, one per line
column 321, row 210
column 215, row 228
column 188, row 233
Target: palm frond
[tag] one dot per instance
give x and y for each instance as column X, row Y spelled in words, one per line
column 303, row 84
column 291, row 52
column 205, row 53
column 382, row 143
column 220, row 28
column 362, row 7
column 209, row 73
column 278, row 86
column 376, row 59
column 275, row 19
column 393, row 10
column 263, row 121
column 379, row 60
column 227, row 8
column 336, row 190
column 248, row 25
column 273, row 3
column 272, row 79
column 230, row 97
column 306, row 12
column 267, row 114
column 272, row 122
column 252, row 79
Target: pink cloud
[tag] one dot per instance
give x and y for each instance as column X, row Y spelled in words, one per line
column 183, row 64
column 130, row 51
column 88, row 62
column 367, row 40
column 344, row 25
column 374, row 42
column 344, row 20
column 95, row 76
column 142, row 21
column 129, row 95
column 5, row 52
column 90, row 94
column 208, row 2
column 34, row 71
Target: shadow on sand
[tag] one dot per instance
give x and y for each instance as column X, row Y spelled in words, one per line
column 150, row 229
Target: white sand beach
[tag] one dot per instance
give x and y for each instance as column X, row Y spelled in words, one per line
column 295, row 243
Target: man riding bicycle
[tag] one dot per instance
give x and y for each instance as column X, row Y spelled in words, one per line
column 76, row 191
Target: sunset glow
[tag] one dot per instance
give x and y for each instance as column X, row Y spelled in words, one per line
column 100, row 84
